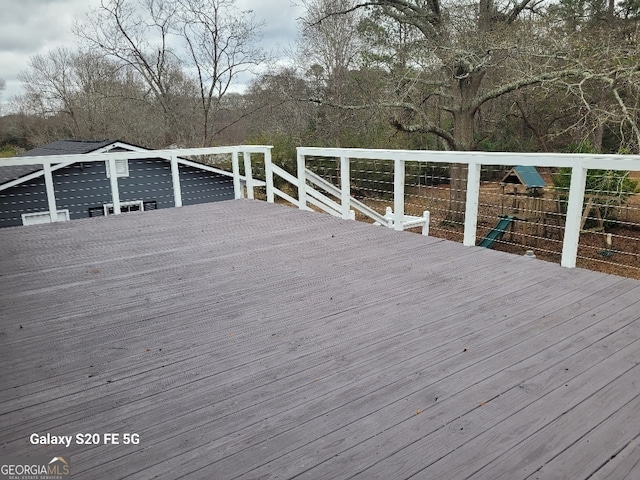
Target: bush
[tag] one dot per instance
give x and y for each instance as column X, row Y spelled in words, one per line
column 8, row 151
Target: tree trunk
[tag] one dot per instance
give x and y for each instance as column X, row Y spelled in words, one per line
column 463, row 128
column 598, row 134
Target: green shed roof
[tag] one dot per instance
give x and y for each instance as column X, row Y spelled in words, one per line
column 527, row 176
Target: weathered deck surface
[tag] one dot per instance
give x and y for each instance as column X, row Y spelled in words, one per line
column 247, row 340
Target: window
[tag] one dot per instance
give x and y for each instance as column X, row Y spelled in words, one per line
column 43, row 217
column 122, row 168
column 135, row 206
column 96, row 211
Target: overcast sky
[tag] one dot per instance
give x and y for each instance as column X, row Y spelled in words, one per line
column 29, row 27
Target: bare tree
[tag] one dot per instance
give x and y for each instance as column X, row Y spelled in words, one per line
column 49, row 84
column 84, row 95
column 222, row 43
column 180, row 49
column 279, row 99
column 138, row 34
column 602, row 42
column 470, row 54
column 329, row 49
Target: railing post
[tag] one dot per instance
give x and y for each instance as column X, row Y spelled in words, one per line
column 427, row 221
column 248, row 177
column 398, row 193
column 235, row 168
column 115, row 192
column 51, row 192
column 268, row 173
column 175, row 177
column 472, row 203
column 302, row 182
column 345, row 187
column 574, row 216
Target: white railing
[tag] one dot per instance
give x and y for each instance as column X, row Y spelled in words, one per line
column 578, row 163
column 176, row 157
column 338, row 200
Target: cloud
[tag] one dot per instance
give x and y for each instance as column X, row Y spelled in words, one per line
column 30, row 27
column 12, row 64
column 280, row 19
column 27, row 26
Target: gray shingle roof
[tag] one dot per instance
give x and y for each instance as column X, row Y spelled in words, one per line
column 60, row 147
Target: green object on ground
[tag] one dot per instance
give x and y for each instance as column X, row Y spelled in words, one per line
column 497, row 232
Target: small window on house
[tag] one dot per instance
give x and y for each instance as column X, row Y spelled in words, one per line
column 150, row 205
column 96, row 211
column 135, row 206
column 122, row 168
column 43, row 217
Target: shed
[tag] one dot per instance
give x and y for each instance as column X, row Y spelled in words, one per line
column 530, row 206
column 524, row 175
column 82, row 189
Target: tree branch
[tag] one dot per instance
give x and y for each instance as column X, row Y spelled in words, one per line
column 519, row 7
column 625, row 112
column 527, row 82
column 415, row 128
column 427, row 128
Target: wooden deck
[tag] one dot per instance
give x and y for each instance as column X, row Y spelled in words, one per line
column 247, row 340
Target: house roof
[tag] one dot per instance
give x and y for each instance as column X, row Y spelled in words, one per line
column 525, row 175
column 67, row 147
column 59, row 147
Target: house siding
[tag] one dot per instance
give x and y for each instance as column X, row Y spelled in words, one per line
column 200, row 186
column 85, row 185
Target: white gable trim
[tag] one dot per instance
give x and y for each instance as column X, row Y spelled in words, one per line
column 163, row 155
column 126, row 146
column 40, row 173
column 33, row 175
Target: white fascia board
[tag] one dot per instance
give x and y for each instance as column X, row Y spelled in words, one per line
column 126, row 146
column 80, row 158
column 133, row 152
column 33, row 175
column 130, row 155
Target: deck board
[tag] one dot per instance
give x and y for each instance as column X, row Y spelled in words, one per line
column 248, row 340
